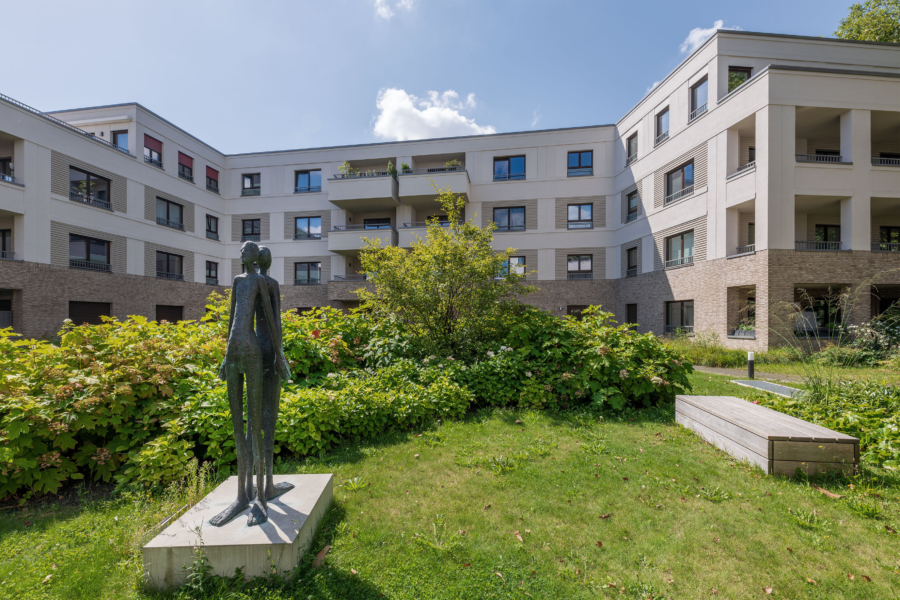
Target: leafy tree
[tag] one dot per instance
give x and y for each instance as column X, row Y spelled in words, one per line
column 452, row 292
column 872, row 21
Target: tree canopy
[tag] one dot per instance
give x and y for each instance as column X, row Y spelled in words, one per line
column 872, row 21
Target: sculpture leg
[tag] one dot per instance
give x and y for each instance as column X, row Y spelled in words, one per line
column 235, row 385
column 270, row 419
column 258, row 509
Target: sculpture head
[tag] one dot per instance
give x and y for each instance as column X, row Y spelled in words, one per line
column 249, row 255
column 265, row 259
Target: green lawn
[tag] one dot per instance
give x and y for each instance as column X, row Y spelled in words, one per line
column 633, row 502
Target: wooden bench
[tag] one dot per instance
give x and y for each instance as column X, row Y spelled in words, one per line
column 777, row 443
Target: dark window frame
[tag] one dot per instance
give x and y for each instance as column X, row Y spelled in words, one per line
column 581, row 269
column 518, row 264
column 185, row 172
column 214, row 221
column 115, row 138
column 254, row 229
column 825, row 229
column 580, row 219
column 692, row 101
column 657, row 120
column 169, row 256
column 748, row 71
column 509, row 175
column 308, row 236
column 751, row 234
column 77, row 237
column 629, row 309
column 680, row 325
column 89, row 196
column 298, row 189
column 168, row 223
column 508, row 210
column 751, row 154
column 628, row 254
column 255, row 184
column 5, row 240
column 377, row 223
column 300, row 266
column 633, row 195
column 214, row 270
column 683, row 179
column 683, row 255
column 580, row 169
column 149, row 157
column 630, row 157
column 212, row 184
column 889, row 229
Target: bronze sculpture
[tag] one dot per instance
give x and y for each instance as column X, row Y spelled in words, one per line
column 254, row 358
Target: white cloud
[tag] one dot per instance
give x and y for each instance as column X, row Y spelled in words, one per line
column 653, row 87
column 404, row 116
column 384, row 11
column 537, row 117
column 698, row 35
column 407, row 4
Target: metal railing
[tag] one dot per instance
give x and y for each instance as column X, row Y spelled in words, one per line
column 745, row 249
column 511, row 228
column 309, row 281
column 885, row 162
column 362, row 174
column 420, row 224
column 349, row 277
column 677, row 262
column 250, row 237
column 212, row 281
column 433, row 170
column 250, row 192
column 885, row 247
column 580, row 276
column 88, row 199
column 682, row 193
column 64, row 124
column 697, row 112
column 89, row 265
column 509, row 176
column 153, row 161
column 679, row 329
column 631, row 272
column 742, row 168
column 167, row 275
column 631, row 159
column 212, row 235
column 363, row 227
column 305, row 235
column 6, row 319
column 631, row 217
column 310, row 188
column 186, row 177
column 661, row 138
column 7, row 178
column 212, row 188
column 168, row 223
column 819, row 158
column 580, row 225
column 581, row 171
column 805, row 246
column 7, row 255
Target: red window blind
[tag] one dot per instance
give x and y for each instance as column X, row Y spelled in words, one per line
column 152, row 143
column 184, row 159
column 212, row 173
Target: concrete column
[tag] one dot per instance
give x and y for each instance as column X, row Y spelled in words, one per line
column 546, row 264
column 276, row 227
column 405, row 214
column 775, row 174
column 134, row 254
column 35, row 228
column 732, row 233
column 856, row 211
column 648, row 253
column 614, row 262
column 338, row 265
column 546, row 213
column 277, row 270
column 733, row 142
column 338, row 217
column 18, row 236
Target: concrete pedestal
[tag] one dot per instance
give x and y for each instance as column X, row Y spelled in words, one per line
column 275, row 546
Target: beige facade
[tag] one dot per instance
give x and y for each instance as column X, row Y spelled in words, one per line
column 788, row 182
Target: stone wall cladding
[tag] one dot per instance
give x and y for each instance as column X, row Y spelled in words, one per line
column 639, row 186
column 237, row 226
column 659, row 241
column 551, row 295
column 598, row 262
column 531, row 215
column 598, row 212
column 290, row 223
column 698, row 155
column 625, row 248
column 150, row 250
column 59, row 245
column 150, row 196
column 59, row 180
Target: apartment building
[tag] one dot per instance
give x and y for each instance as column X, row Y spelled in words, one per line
column 760, row 173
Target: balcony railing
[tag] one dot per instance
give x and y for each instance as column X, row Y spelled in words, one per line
column 808, row 246
column 212, row 188
column 631, row 217
column 508, row 176
column 308, row 189
column 682, row 193
column 7, row 255
column 580, row 225
column 362, row 174
column 420, row 224
column 885, row 162
column 745, row 249
column 250, row 237
column 819, row 158
column 678, row 262
column 305, row 235
column 670, row 329
column 581, row 171
column 511, row 228
column 168, row 223
column 212, row 235
column 250, row 192
column 349, row 277
column 167, row 275
column 631, row 272
column 186, row 177
column 661, row 138
column 89, row 265
column 363, row 227
column 88, row 199
column 743, row 168
column 310, row 281
column 6, row 319
column 580, row 276
column 153, row 161
column 10, row 179
column 433, row 170
column 212, row 281
column 631, row 159
column 885, row 247
column 697, row 112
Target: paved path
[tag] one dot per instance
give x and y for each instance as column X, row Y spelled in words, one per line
column 743, row 373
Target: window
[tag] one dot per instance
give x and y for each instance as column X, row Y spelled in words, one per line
column 581, row 216
column 578, row 266
column 212, row 227
column 631, row 149
column 169, row 213
column 680, row 182
column 631, row 314
column 169, row 266
column 185, row 167
column 631, row 260
column 172, row 314
column 751, row 154
column 120, row 139
column 212, row 180
column 699, row 92
column 889, row 235
column 212, row 272
column 632, row 202
column 751, row 234
column 308, row 228
column 91, row 313
column 576, row 311
column 153, row 151
column 88, row 253
column 737, row 76
column 514, row 264
column 379, row 223
column 680, row 249
column 250, row 186
column 6, row 250
column 512, row 167
column 308, row 181
column 510, row 219
column 89, row 188
column 680, row 316
column 828, row 233
column 662, row 126
column 250, row 230
column 890, row 155
column 307, row 273
column 580, row 163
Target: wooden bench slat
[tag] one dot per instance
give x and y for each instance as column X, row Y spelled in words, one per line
column 789, row 467
column 723, row 443
column 739, row 435
column 787, row 420
column 813, row 452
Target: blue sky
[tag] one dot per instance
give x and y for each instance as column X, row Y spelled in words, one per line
column 270, row 75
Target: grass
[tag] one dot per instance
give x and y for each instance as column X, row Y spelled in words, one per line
column 634, row 502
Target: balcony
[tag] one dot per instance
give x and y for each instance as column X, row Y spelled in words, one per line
column 308, row 190
column 167, row 275
column 682, row 193
column 631, row 272
column 91, row 200
column 423, row 224
column 313, row 281
column 358, row 277
column 212, row 188
column 7, row 255
column 212, row 281
column 153, row 161
column 305, row 235
column 168, row 223
column 748, row 249
column 819, row 158
column 661, row 138
column 885, row 162
column 817, row 246
column 680, row 262
column 416, row 187
column 212, row 235
column 885, row 247
column 371, row 191
column 696, row 113
column 89, row 265
column 250, row 192
column 580, row 225
column 743, row 169
column 580, row 172
column 348, row 239
column 250, row 237
column 186, row 177
column 10, row 179
column 580, row 276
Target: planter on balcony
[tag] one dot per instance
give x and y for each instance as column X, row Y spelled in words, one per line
column 744, row 334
